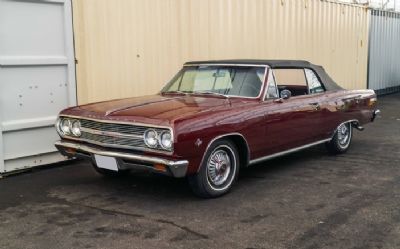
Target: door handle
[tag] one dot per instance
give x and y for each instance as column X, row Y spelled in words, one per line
column 315, row 105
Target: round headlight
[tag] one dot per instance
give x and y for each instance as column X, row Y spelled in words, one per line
column 76, row 128
column 166, row 140
column 150, row 138
column 65, row 126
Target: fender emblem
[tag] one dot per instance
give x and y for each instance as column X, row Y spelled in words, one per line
column 198, row 142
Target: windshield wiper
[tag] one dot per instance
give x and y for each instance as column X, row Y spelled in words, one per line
column 199, row 92
column 212, row 93
column 174, row 92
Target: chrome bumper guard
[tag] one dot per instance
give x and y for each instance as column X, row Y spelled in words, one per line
column 376, row 113
column 125, row 160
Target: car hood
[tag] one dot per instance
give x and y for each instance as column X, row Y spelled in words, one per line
column 154, row 109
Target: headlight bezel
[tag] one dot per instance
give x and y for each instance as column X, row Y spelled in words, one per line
column 65, row 132
column 156, row 138
column 78, row 132
column 164, row 133
column 65, row 127
column 57, row 125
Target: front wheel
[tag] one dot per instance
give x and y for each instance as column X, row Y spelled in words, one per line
column 341, row 140
column 218, row 171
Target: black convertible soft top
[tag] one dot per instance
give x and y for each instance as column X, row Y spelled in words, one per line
column 329, row 84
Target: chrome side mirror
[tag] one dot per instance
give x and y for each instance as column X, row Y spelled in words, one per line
column 285, row 94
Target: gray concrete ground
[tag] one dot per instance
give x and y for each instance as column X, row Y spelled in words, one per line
column 305, row 200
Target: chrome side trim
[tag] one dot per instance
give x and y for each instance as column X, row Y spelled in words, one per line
column 219, row 137
column 254, row 161
column 178, row 168
column 257, row 160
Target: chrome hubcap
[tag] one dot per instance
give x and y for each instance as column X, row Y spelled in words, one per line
column 344, row 134
column 218, row 167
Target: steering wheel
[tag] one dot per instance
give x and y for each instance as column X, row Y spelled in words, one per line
column 252, row 89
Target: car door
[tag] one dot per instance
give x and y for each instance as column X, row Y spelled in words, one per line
column 289, row 123
column 322, row 115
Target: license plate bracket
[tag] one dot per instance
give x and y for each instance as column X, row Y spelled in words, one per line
column 106, row 162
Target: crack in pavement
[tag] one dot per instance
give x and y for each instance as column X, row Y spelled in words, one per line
column 184, row 228
column 340, row 216
column 163, row 221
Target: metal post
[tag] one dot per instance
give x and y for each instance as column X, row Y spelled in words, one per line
column 69, row 34
column 370, row 13
column 2, row 168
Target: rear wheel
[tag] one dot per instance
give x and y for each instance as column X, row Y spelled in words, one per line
column 341, row 140
column 218, row 171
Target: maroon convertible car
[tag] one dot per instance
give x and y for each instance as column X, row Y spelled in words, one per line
column 216, row 117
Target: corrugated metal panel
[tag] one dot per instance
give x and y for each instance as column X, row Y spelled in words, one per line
column 132, row 47
column 384, row 52
column 37, row 79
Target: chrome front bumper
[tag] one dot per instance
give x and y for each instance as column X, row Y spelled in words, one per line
column 125, row 160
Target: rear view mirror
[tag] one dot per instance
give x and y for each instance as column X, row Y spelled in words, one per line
column 285, row 94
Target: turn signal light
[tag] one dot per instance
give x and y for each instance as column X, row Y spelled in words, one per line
column 160, row 167
column 372, row 102
column 70, row 151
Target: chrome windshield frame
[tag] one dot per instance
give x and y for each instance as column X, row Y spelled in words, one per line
column 270, row 72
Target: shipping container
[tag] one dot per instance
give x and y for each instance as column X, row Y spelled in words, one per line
column 129, row 48
column 384, row 52
column 37, row 79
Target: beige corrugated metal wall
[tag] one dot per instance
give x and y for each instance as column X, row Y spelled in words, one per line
column 133, row 47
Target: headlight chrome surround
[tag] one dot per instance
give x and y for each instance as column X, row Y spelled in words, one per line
column 150, row 138
column 76, row 128
column 166, row 141
column 68, row 127
column 65, row 126
column 57, row 125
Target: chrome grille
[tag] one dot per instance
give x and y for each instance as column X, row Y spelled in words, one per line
column 113, row 127
column 116, row 135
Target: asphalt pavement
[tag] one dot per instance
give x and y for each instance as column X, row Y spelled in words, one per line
column 305, row 200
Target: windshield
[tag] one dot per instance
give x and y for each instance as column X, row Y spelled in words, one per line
column 242, row 81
